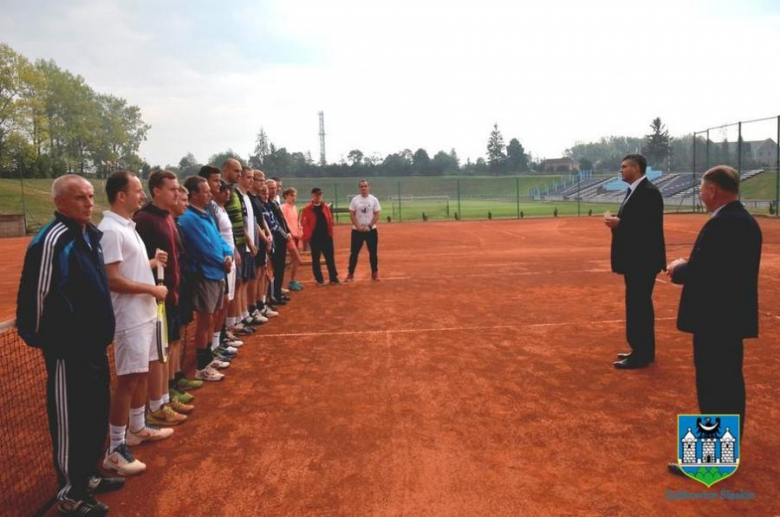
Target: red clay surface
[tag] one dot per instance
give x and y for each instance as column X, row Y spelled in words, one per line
column 474, row 379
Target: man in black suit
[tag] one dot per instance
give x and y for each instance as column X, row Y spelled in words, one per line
column 719, row 303
column 638, row 253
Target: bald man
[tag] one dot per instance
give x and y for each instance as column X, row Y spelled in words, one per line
column 64, row 308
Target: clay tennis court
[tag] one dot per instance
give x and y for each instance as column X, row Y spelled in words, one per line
column 474, row 379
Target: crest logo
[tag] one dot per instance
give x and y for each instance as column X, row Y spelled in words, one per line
column 708, row 446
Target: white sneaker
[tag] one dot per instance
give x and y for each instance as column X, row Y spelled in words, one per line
column 229, row 348
column 209, row 374
column 235, row 343
column 216, row 364
column 269, row 313
column 230, row 336
column 258, row 316
column 122, row 460
column 150, row 433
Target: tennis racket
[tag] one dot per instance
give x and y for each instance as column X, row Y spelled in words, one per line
column 162, row 321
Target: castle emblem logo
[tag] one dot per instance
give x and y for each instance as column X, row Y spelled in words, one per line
column 708, row 446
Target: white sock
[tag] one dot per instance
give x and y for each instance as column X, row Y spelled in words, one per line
column 166, row 398
column 117, row 434
column 215, row 340
column 154, row 405
column 231, row 322
column 137, row 419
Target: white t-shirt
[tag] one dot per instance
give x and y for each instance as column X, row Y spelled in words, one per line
column 250, row 222
column 364, row 208
column 224, row 225
column 121, row 243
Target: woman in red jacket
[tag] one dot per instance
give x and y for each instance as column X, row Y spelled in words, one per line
column 317, row 223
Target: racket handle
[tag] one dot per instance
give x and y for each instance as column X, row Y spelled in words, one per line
column 160, row 274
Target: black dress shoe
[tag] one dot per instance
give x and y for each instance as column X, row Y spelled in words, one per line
column 624, row 355
column 675, row 469
column 285, row 298
column 278, row 302
column 100, row 484
column 630, row 364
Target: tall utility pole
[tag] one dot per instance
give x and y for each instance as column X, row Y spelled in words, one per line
column 322, row 139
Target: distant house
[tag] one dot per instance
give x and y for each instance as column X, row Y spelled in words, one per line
column 759, row 152
column 559, row 165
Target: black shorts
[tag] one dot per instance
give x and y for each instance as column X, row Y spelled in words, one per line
column 172, row 320
column 247, row 271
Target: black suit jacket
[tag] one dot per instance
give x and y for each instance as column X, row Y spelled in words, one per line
column 720, row 296
column 638, row 241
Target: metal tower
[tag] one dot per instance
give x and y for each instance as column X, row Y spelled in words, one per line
column 322, row 139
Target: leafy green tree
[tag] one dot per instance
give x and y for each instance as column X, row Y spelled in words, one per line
column 420, row 161
column 261, row 151
column 218, row 159
column 516, row 160
column 355, row 157
column 189, row 166
column 585, row 164
column 656, row 146
column 495, row 150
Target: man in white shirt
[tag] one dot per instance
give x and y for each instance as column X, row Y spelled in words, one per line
column 364, row 213
column 133, row 294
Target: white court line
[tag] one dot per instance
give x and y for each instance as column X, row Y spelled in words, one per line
column 522, row 273
column 451, row 329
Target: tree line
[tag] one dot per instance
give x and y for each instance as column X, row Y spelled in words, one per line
column 52, row 122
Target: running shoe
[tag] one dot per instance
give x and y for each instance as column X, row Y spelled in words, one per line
column 350, row 278
column 122, row 461
column 295, row 286
column 209, row 374
column 235, row 343
column 182, row 409
column 89, row 507
column 150, row 433
column 219, row 365
column 335, row 281
column 185, row 384
column 269, row 312
column 165, row 417
column 241, row 330
column 285, row 291
column 259, row 316
column 181, row 396
column 375, row 275
column 101, row 484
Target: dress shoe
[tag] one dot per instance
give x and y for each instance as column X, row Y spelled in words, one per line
column 624, row 355
column 276, row 303
column 630, row 364
column 285, row 298
column 674, row 468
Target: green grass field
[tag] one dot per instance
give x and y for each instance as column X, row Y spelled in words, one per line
column 479, row 196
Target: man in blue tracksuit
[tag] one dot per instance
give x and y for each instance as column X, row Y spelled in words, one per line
column 207, row 258
column 64, row 308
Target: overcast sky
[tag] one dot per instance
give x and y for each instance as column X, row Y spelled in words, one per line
column 402, row 74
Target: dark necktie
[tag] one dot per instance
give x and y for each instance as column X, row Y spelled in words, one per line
column 628, row 193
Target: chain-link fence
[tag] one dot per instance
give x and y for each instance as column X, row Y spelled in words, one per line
column 753, row 148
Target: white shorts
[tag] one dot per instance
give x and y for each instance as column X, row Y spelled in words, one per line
column 135, row 347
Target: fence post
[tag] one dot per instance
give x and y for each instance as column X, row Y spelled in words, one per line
column 460, row 213
column 693, row 198
column 578, row 194
column 336, row 200
column 517, row 189
column 707, row 160
column 739, row 155
column 399, row 202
